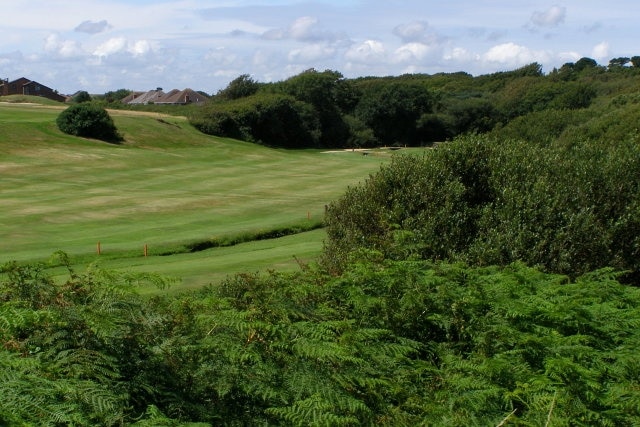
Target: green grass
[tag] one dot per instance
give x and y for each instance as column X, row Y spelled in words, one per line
column 168, row 186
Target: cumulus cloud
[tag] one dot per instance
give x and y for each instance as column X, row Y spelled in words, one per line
column 91, row 27
column 411, row 52
column 62, row 48
column 549, row 18
column 600, row 51
column 139, row 48
column 512, row 54
column 111, row 46
column 569, row 56
column 303, row 29
column 460, row 54
column 369, row 51
column 120, row 45
column 412, row 32
column 311, row 53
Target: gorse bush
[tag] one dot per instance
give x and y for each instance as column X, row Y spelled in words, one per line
column 90, row 121
column 569, row 208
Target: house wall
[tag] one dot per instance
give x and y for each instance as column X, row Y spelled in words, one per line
column 24, row 86
column 14, row 87
column 35, row 88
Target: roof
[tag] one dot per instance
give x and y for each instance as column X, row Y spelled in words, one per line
column 157, row 96
column 147, row 97
column 182, row 97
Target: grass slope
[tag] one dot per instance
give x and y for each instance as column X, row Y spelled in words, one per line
column 167, row 186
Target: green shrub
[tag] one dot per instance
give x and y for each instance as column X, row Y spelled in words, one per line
column 569, row 208
column 90, row 121
column 270, row 119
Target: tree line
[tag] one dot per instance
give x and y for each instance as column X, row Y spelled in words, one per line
column 324, row 109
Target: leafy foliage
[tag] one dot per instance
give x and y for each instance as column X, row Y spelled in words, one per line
column 80, row 97
column 240, row 87
column 420, row 109
column 88, row 120
column 269, row 119
column 568, row 208
column 386, row 343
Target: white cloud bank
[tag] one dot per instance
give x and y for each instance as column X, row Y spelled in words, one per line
column 105, row 45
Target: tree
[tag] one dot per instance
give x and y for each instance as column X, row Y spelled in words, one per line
column 90, row 121
column 326, row 92
column 116, row 96
column 393, row 109
column 618, row 63
column 240, row 87
column 635, row 61
column 584, row 63
column 265, row 118
column 80, row 97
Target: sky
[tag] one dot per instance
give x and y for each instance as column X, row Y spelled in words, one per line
column 104, row 45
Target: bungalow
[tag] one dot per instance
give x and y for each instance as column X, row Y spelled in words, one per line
column 173, row 97
column 24, row 86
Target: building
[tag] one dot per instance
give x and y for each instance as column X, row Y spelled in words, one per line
column 173, row 97
column 24, row 86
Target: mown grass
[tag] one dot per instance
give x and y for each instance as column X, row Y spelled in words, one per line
column 168, row 187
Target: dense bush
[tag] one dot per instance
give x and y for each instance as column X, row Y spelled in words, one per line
column 392, row 111
column 90, row 121
column 271, row 119
column 569, row 208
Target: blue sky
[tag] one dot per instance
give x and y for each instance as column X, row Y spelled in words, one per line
column 102, row 45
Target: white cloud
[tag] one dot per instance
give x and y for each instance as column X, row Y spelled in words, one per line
column 62, row 48
column 120, row 45
column 569, row 56
column 111, row 46
column 303, row 28
column 460, row 54
column 412, row 32
column 512, row 54
column 366, row 52
column 601, row 51
column 311, row 53
column 411, row 52
column 551, row 17
column 139, row 48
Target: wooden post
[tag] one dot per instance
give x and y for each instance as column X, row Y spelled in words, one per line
column 308, row 215
column 146, row 250
column 98, row 248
